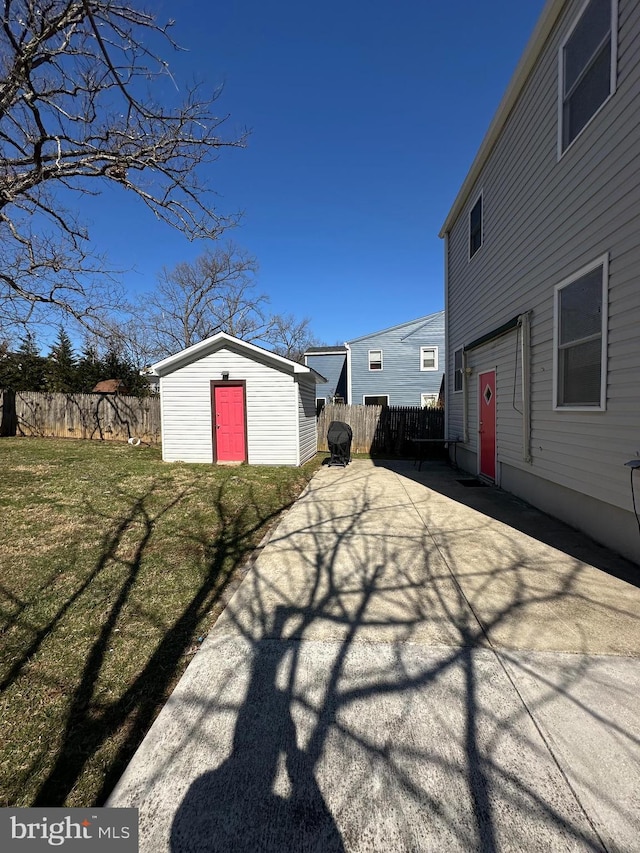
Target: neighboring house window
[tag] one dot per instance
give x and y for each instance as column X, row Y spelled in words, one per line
column 475, row 227
column 457, row 370
column 376, row 399
column 428, row 358
column 375, row 359
column 429, row 401
column 580, row 333
column 587, row 67
column 321, row 402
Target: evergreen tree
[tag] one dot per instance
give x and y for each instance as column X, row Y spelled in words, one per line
column 116, row 365
column 30, row 366
column 61, row 370
column 90, row 369
column 8, row 366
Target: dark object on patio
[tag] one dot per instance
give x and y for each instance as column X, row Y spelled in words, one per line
column 339, row 437
column 473, row 484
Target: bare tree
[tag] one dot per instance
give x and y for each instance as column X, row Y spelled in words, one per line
column 291, row 337
column 215, row 293
column 76, row 112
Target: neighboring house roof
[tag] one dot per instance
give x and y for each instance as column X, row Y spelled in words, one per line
column 220, row 340
column 413, row 326
column 547, row 21
column 110, row 386
column 337, row 350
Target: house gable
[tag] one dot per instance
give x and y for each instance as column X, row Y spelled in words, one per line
column 388, row 364
column 222, row 340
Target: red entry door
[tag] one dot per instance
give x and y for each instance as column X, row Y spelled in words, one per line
column 229, row 423
column 487, row 423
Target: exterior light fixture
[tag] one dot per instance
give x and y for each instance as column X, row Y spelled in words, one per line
column 225, row 376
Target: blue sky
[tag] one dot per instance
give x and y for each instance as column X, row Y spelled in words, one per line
column 364, row 119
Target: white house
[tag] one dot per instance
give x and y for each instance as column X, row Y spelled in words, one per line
column 225, row 400
column 543, row 277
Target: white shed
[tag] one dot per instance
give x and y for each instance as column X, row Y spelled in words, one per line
column 226, row 400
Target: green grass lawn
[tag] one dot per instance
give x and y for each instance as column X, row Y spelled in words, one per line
column 112, row 565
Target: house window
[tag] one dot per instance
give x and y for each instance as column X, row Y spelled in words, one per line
column 457, row 370
column 321, row 402
column 475, row 227
column 375, row 359
column 580, row 332
column 429, row 401
column 376, row 399
column 587, row 67
column 428, row 358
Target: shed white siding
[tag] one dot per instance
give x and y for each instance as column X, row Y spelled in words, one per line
column 544, row 219
column 271, row 405
column 308, row 431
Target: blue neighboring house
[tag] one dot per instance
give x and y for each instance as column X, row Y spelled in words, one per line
column 399, row 366
column 331, row 363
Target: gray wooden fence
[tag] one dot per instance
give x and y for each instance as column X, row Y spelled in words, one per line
column 382, row 429
column 378, row 430
column 97, row 416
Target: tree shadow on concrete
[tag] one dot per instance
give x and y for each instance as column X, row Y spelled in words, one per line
column 502, row 506
column 238, row 806
column 394, row 725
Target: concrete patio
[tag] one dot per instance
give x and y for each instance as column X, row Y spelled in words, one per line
column 409, row 665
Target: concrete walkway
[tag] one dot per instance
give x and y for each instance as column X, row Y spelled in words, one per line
column 410, row 665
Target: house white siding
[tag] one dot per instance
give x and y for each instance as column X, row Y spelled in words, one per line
column 545, row 218
column 271, row 405
column 307, row 420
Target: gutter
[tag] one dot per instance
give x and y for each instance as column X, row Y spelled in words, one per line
column 348, row 372
column 496, row 333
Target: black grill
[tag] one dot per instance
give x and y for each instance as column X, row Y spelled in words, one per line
column 339, row 437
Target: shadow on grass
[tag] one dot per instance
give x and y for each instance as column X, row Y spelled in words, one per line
column 224, row 544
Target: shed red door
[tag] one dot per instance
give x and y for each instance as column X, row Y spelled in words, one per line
column 487, row 423
column 229, row 423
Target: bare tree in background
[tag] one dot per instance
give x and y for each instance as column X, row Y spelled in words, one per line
column 215, row 293
column 291, row 337
column 76, row 113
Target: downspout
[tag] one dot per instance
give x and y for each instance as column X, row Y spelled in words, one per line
column 348, row 400
column 447, row 393
column 465, row 398
column 525, row 352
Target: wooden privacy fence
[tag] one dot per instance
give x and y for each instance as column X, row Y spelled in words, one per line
column 98, row 416
column 382, row 430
